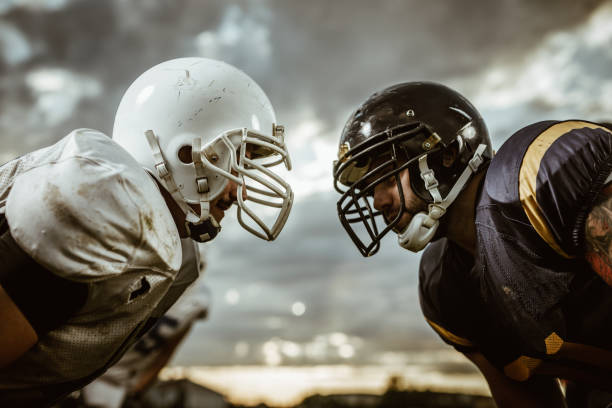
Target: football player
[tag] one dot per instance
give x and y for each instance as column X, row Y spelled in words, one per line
column 517, row 271
column 91, row 227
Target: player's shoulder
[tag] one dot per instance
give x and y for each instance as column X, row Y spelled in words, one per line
column 552, row 130
column 549, row 142
column 97, row 146
column 80, row 144
column 88, row 209
column 552, row 172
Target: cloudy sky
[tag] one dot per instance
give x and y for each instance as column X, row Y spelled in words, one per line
column 308, row 298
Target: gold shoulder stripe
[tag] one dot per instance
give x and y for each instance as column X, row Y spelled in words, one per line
column 529, row 173
column 448, row 335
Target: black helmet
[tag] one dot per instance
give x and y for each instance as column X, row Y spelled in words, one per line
column 408, row 126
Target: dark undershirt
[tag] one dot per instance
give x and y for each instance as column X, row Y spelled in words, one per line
column 46, row 300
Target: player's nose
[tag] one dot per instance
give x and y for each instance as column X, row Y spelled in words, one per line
column 382, row 197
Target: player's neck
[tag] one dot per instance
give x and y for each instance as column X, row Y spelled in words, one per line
column 460, row 218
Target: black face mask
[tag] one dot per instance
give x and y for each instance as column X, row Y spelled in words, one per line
column 396, row 149
column 202, row 232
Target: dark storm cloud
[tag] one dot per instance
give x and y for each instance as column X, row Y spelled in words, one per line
column 110, row 42
column 66, row 65
column 342, row 51
column 327, row 56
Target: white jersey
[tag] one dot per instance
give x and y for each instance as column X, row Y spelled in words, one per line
column 86, row 210
column 142, row 359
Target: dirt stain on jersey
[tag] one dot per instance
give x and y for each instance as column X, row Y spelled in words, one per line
column 147, row 220
column 62, row 211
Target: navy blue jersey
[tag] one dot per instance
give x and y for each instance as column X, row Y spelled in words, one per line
column 528, row 300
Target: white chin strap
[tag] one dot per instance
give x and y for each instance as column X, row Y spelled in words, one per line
column 423, row 226
column 192, row 219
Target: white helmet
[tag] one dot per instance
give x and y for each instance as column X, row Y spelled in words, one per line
column 191, row 122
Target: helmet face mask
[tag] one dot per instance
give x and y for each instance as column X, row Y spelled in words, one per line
column 381, row 159
column 425, row 128
column 263, row 187
column 191, row 122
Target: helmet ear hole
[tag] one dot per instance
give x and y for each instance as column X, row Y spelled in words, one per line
column 184, row 154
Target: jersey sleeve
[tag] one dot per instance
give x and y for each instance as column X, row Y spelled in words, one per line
column 444, row 294
column 562, row 172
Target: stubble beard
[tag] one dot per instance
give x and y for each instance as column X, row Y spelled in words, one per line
column 412, row 206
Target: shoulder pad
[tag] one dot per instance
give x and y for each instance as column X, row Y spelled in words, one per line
column 92, row 212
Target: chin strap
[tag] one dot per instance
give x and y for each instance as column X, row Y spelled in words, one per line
column 423, row 226
column 203, row 231
column 207, row 227
column 202, row 228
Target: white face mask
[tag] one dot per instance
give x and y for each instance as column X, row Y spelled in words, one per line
column 265, row 190
column 218, row 163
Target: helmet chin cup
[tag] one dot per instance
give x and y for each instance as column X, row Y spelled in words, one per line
column 203, row 228
column 204, row 231
column 418, row 233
